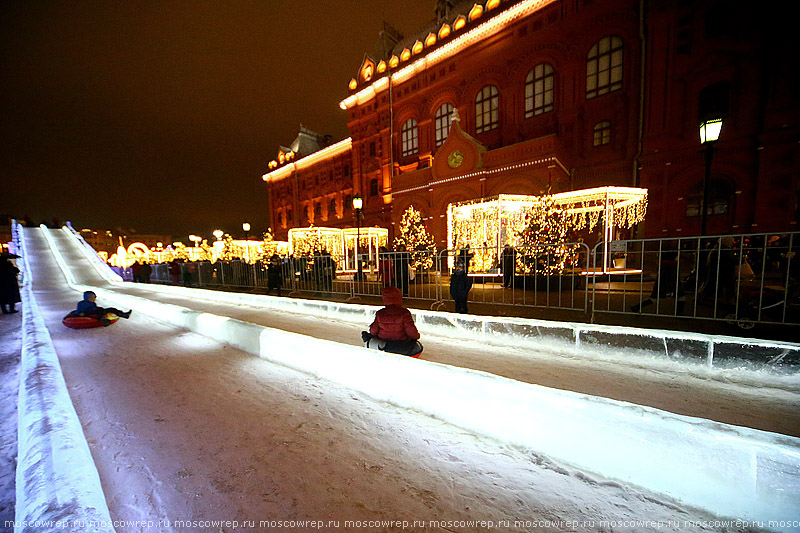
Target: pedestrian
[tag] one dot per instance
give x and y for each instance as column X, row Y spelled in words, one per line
column 401, row 265
column 136, row 270
column 88, row 307
column 9, row 287
column 465, row 255
column 175, row 271
column 460, row 285
column 274, row 274
column 509, row 263
column 146, row 271
column 667, row 284
column 385, row 267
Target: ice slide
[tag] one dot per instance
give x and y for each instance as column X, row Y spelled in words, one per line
column 734, row 471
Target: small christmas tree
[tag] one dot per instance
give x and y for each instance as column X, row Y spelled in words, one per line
column 542, row 241
column 416, row 239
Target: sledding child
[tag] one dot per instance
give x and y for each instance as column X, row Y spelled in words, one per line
column 87, row 307
column 394, row 325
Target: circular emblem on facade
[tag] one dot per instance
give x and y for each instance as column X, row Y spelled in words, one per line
column 455, row 158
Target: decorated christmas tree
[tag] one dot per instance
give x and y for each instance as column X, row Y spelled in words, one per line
column 416, row 239
column 542, row 240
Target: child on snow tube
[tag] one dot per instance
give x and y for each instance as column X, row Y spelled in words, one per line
column 88, row 307
column 393, row 329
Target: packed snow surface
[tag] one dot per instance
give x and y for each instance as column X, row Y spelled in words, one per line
column 186, row 427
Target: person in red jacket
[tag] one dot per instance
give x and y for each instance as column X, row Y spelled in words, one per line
column 393, row 329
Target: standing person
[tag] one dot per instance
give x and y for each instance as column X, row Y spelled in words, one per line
column 667, row 284
column 509, row 262
column 146, row 271
column 401, row 265
column 385, row 267
column 136, row 270
column 9, row 288
column 274, row 274
column 465, row 255
column 460, row 285
column 175, row 271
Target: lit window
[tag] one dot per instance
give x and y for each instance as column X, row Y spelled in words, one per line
column 602, row 133
column 430, row 40
column 487, row 109
column 604, row 67
column 410, row 137
column 405, row 54
column 444, row 31
column 460, row 22
column 393, row 61
column 417, row 48
column 539, row 90
column 443, row 123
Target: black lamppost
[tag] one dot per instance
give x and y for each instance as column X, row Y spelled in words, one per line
column 358, row 203
column 709, row 134
column 246, row 228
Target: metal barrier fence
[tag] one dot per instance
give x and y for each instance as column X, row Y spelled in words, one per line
column 743, row 279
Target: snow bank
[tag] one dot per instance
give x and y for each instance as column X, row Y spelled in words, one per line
column 58, row 487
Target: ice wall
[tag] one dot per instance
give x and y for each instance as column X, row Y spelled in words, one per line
column 58, row 487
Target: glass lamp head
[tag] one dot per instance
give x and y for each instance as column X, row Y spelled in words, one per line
column 358, row 202
column 710, row 130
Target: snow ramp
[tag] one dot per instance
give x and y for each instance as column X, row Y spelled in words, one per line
column 729, row 470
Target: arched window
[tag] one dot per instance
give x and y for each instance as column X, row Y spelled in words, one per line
column 719, row 198
column 487, row 109
column 539, row 90
column 410, row 137
column 602, row 133
column 604, row 67
column 332, row 208
column 443, row 122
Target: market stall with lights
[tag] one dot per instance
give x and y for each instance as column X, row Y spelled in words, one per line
column 487, row 224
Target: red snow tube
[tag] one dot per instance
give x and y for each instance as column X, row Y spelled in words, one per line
column 74, row 321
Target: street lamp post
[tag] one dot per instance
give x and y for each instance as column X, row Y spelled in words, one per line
column 709, row 134
column 358, row 203
column 246, row 228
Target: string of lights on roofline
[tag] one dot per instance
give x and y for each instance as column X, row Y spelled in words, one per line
column 441, row 53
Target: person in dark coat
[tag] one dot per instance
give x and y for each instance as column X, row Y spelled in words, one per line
column 460, row 285
column 88, row 307
column 385, row 267
column 394, row 324
column 136, row 270
column 401, row 264
column 9, row 288
column 509, row 265
column 146, row 271
column 465, row 256
column 274, row 274
column 175, row 271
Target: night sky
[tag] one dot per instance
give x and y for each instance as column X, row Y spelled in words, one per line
column 161, row 116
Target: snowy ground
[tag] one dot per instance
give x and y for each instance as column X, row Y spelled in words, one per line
column 10, row 346
column 184, row 428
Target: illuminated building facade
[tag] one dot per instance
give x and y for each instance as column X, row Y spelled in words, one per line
column 524, row 96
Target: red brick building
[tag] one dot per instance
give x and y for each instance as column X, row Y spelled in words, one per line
column 562, row 95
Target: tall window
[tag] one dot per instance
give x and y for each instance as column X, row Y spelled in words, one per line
column 487, row 109
column 604, row 67
column 373, row 187
column 602, row 133
column 410, row 137
column 332, row 208
column 443, row 123
column 539, row 90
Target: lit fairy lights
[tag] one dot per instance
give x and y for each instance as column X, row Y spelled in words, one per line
column 538, row 222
